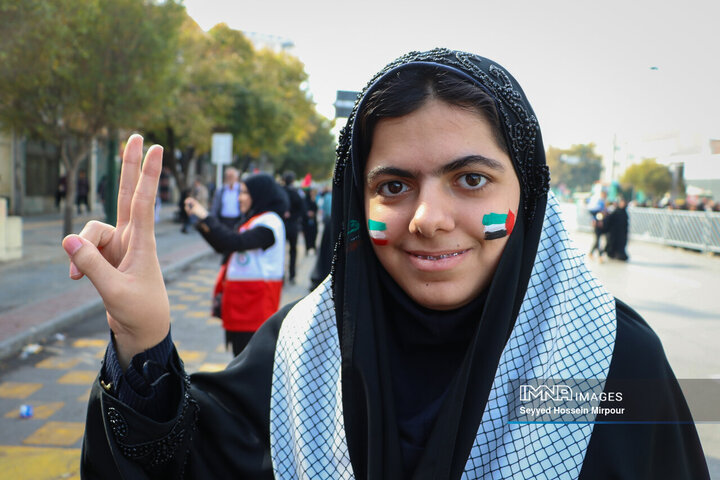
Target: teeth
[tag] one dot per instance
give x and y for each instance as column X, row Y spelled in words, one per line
column 438, row 257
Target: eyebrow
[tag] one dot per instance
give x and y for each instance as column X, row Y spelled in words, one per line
column 468, row 161
column 377, row 172
column 457, row 164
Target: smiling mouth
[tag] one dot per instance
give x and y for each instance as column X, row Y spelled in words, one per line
column 441, row 256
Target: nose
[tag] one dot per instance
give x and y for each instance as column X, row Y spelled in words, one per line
column 433, row 214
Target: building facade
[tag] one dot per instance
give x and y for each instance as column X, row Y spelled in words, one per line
column 30, row 173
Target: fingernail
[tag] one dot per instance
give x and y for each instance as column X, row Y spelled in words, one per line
column 74, row 272
column 72, row 245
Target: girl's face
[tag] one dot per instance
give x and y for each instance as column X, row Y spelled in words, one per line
column 244, row 198
column 433, row 179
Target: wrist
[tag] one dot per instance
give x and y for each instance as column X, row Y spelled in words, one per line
column 128, row 345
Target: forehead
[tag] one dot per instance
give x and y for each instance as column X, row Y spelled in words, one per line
column 432, row 136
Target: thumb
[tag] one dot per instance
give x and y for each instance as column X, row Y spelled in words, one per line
column 86, row 259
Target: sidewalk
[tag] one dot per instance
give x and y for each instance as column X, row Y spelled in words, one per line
column 38, row 299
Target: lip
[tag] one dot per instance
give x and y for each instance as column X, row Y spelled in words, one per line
column 435, row 261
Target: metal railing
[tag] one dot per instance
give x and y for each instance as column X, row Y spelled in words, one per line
column 688, row 229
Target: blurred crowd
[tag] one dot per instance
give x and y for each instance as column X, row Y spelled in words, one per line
column 690, row 203
column 308, row 212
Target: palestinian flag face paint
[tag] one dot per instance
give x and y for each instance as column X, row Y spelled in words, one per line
column 377, row 232
column 498, row 225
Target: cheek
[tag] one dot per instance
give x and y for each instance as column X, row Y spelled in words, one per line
column 382, row 224
column 498, row 225
column 378, row 232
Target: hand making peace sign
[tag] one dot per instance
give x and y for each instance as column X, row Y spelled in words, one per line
column 122, row 261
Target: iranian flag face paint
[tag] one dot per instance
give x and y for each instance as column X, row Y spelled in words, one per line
column 498, row 225
column 377, row 232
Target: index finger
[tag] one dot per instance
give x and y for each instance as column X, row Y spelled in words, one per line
column 142, row 211
column 129, row 177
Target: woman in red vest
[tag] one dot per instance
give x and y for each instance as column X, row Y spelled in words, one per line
column 249, row 284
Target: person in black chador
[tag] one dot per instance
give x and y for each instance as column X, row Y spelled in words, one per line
column 310, row 225
column 598, row 211
column 453, row 281
column 293, row 219
column 616, row 231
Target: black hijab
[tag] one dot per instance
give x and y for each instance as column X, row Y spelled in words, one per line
column 266, row 194
column 380, row 328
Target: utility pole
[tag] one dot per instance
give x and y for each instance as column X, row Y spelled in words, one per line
column 612, row 167
column 111, row 181
column 18, row 169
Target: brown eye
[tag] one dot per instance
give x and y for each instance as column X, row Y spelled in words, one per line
column 472, row 181
column 392, row 188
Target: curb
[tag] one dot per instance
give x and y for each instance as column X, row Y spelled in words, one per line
column 39, row 333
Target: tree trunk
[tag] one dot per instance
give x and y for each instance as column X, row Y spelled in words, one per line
column 283, row 166
column 70, row 184
column 245, row 163
column 187, row 160
column 72, row 162
column 170, row 160
column 18, row 170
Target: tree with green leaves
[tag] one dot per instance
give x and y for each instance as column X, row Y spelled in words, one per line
column 577, row 167
column 75, row 70
column 649, row 176
column 273, row 110
column 208, row 70
column 223, row 84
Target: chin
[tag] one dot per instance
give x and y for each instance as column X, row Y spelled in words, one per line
column 436, row 298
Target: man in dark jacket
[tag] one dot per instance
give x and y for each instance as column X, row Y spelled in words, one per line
column 81, row 195
column 225, row 204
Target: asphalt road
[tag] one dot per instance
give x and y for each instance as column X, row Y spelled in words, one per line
column 678, row 293
column 55, row 381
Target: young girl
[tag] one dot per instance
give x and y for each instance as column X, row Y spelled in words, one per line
column 453, row 285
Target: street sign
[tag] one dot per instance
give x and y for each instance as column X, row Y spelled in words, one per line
column 344, row 103
column 221, row 148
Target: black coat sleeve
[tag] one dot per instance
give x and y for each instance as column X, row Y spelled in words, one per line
column 226, row 240
column 655, row 438
column 220, row 427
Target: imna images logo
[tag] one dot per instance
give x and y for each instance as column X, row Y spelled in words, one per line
column 544, row 393
column 561, row 392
